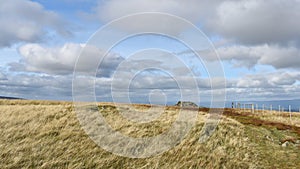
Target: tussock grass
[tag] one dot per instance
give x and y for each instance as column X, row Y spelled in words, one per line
column 43, row 134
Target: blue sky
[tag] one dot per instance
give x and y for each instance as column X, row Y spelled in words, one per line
column 257, row 43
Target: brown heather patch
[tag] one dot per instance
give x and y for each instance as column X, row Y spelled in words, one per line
column 247, row 118
column 292, row 140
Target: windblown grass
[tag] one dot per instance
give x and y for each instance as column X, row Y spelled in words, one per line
column 44, row 134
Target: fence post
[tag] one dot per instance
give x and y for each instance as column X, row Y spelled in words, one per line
column 290, row 113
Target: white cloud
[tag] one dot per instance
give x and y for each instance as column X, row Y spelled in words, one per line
column 192, row 10
column 275, row 85
column 280, row 57
column 259, row 32
column 252, row 81
column 284, row 78
column 250, row 22
column 114, row 9
column 263, row 32
column 62, row 60
column 240, row 56
column 27, row 21
column 249, row 56
column 256, row 21
column 276, row 79
column 36, row 86
column 278, row 85
column 2, row 76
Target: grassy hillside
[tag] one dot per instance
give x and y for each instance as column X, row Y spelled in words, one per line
column 44, row 134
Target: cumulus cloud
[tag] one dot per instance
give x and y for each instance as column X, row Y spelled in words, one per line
column 248, row 22
column 263, row 94
column 27, row 21
column 114, row 9
column 252, row 81
column 62, row 60
column 284, row 78
column 278, row 85
column 36, row 86
column 279, row 57
column 2, row 76
column 259, row 32
column 268, row 80
column 256, row 33
column 239, row 56
column 191, row 9
column 256, row 21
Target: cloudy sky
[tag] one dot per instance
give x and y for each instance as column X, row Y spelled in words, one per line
column 257, row 41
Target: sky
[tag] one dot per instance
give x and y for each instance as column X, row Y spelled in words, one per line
column 242, row 50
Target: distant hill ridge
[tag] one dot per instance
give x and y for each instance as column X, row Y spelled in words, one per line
column 11, row 98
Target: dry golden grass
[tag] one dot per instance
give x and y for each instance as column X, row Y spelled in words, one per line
column 284, row 117
column 44, row 134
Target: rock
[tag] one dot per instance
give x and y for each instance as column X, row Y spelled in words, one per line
column 269, row 138
column 187, row 104
column 285, row 144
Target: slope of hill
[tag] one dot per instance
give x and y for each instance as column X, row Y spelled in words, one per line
column 42, row 134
